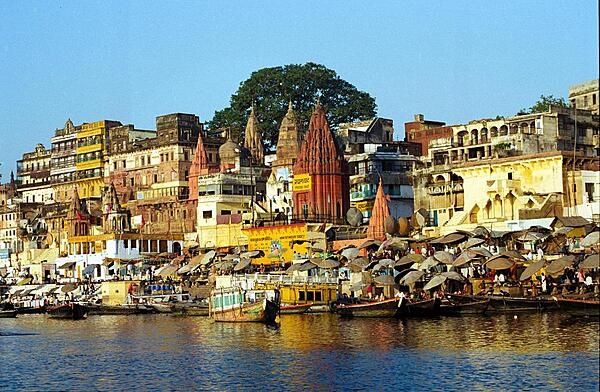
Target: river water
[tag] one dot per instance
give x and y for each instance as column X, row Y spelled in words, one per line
column 545, row 351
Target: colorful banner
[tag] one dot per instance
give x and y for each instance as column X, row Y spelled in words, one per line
column 277, row 242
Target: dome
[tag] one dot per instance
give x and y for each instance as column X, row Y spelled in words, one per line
column 229, row 151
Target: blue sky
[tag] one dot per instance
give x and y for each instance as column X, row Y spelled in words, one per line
column 131, row 61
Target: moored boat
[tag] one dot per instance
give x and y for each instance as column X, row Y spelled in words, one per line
column 424, row 308
column 124, row 309
column 519, row 304
column 233, row 304
column 295, row 308
column 189, row 309
column 69, row 311
column 579, row 307
column 452, row 308
column 383, row 308
column 8, row 313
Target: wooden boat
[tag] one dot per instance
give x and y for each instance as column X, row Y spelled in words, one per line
column 125, row 309
column 189, row 309
column 384, row 308
column 8, row 313
column 579, row 307
column 233, row 304
column 69, row 311
column 424, row 308
column 519, row 304
column 295, row 308
column 452, row 308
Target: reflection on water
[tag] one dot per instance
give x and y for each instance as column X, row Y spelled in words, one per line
column 307, row 352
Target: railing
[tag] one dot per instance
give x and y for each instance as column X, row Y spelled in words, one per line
column 285, row 279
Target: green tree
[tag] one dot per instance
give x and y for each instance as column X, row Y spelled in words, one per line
column 543, row 105
column 271, row 89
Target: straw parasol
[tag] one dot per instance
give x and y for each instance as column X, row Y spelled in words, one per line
column 532, row 269
column 592, row 239
column 499, row 263
column 558, row 265
column 444, row 257
column 384, row 280
column 453, row 275
column 243, row 263
column 350, row 253
column 208, row 257
column 411, row 277
column 410, row 259
column 590, row 262
column 435, row 281
column 370, row 243
column 429, row 262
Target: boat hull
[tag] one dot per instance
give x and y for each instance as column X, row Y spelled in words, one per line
column 519, row 304
column 385, row 308
column 8, row 313
column 579, row 307
column 115, row 310
column 425, row 308
column 458, row 309
column 69, row 311
column 237, row 306
column 295, row 308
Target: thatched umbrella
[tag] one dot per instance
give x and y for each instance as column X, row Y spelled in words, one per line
column 411, row 277
column 350, row 253
column 410, row 258
column 252, row 253
column 384, row 280
column 444, row 257
column 471, row 242
column 592, row 239
column 208, row 257
column 590, row 262
column 453, row 275
column 499, row 263
column 243, row 263
column 370, row 243
column 532, row 269
column 435, row 281
column 428, row 263
column 325, row 263
column 557, row 266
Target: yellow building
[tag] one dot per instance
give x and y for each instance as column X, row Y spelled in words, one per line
column 90, row 151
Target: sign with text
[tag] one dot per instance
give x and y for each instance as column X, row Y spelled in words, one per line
column 301, row 182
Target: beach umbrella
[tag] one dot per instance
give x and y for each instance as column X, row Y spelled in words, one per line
column 557, row 266
column 370, row 243
column 410, row 258
column 532, row 269
column 386, row 262
column 466, row 256
column 231, row 257
column 592, row 239
column 499, row 263
column 481, row 251
column 208, row 257
column 444, row 257
column 252, row 253
column 393, row 243
column 453, row 275
column 590, row 262
column 350, row 253
column 411, row 277
column 435, row 281
column 307, row 265
column 243, row 263
column 325, row 263
column 354, row 267
column 428, row 263
column 224, row 265
column 384, row 279
column 471, row 242
column 293, row 267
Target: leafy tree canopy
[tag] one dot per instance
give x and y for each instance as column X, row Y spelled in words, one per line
column 543, row 105
column 271, row 89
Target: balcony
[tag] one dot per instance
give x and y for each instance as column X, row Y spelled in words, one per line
column 503, row 186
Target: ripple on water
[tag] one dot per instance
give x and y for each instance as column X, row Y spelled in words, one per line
column 307, row 352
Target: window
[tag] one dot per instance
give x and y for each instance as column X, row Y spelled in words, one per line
column 207, row 214
column 510, row 176
column 225, row 212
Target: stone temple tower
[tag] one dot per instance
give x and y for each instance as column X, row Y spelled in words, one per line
column 320, row 185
